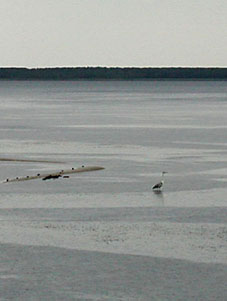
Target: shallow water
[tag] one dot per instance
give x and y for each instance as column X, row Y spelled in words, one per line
column 135, row 129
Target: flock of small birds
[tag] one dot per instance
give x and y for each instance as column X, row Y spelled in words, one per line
column 48, row 177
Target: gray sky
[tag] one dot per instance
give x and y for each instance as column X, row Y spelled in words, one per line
column 41, row 33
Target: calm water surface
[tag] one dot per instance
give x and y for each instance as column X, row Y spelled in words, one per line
column 169, row 246
column 134, row 129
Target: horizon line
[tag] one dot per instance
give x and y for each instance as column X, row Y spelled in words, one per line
column 102, row 66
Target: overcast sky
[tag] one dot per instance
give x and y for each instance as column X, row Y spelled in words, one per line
column 41, row 33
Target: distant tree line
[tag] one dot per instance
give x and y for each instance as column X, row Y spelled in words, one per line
column 104, row 73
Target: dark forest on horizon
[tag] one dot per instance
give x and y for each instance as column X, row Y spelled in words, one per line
column 114, row 73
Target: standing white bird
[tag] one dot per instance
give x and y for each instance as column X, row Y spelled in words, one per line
column 159, row 186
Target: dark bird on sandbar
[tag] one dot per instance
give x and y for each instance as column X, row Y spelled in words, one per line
column 51, row 177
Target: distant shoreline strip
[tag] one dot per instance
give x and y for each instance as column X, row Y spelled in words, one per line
column 114, row 73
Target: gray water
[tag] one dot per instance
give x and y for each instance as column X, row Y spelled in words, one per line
column 135, row 130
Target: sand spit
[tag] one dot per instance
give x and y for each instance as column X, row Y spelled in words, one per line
column 29, row 160
column 55, row 174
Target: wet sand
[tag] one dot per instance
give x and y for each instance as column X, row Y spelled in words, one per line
column 113, row 253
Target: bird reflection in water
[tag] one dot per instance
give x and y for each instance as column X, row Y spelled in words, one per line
column 159, row 197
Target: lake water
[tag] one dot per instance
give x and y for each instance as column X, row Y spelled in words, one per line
column 97, row 231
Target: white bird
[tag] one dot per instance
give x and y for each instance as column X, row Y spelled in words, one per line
column 159, row 186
